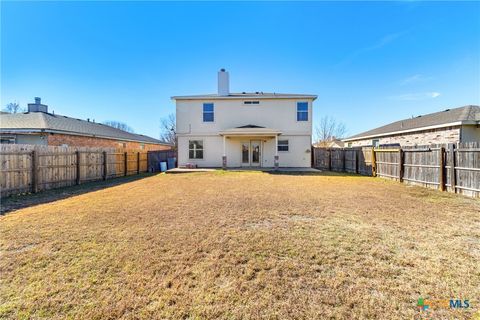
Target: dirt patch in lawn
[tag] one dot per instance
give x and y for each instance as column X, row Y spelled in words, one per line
column 242, row 245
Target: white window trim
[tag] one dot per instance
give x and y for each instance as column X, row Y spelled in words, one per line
column 308, row 111
column 203, row 149
column 213, row 112
column 288, row 145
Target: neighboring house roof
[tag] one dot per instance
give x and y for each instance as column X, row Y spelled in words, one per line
column 335, row 143
column 246, row 95
column 47, row 122
column 450, row 117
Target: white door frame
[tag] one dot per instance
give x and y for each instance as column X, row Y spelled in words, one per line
column 250, row 153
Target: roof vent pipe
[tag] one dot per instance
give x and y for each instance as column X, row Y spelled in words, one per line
column 223, row 83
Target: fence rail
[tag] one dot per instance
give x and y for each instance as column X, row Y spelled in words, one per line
column 454, row 167
column 29, row 168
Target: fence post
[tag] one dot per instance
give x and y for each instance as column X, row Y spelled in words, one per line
column 150, row 168
column 105, row 168
column 374, row 163
column 78, row 167
column 441, row 168
column 453, row 183
column 356, row 160
column 329, row 164
column 125, row 158
column 138, row 162
column 343, row 158
column 314, row 157
column 400, row 165
column 34, row 171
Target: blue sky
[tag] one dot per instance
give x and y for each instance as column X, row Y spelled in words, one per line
column 370, row 63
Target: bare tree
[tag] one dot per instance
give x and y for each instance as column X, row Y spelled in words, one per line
column 168, row 129
column 119, row 125
column 13, row 107
column 327, row 130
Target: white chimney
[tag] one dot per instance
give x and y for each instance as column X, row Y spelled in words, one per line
column 223, row 83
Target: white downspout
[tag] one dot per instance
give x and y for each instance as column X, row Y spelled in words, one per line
column 276, row 144
column 224, row 158
column 275, row 159
column 224, row 147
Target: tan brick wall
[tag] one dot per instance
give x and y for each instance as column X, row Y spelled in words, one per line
column 55, row 139
column 435, row 136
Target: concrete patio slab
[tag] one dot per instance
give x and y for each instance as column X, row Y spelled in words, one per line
column 185, row 170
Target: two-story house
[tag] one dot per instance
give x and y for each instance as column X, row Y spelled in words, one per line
column 244, row 129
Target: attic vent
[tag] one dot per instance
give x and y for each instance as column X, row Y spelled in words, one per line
column 447, row 110
column 251, row 102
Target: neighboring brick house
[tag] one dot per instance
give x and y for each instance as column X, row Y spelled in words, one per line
column 449, row 126
column 37, row 126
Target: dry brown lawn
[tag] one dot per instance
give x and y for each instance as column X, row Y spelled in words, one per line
column 242, row 245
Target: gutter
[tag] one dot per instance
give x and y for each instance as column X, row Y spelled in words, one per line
column 206, row 98
column 216, row 134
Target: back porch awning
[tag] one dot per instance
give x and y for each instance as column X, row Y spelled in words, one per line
column 250, row 130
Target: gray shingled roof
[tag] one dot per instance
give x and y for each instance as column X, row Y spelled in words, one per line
column 464, row 114
column 40, row 121
column 248, row 95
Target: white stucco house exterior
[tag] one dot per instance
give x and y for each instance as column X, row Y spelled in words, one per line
column 244, row 129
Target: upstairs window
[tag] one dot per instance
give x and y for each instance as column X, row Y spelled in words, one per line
column 251, row 102
column 208, row 112
column 282, row 145
column 302, row 111
column 375, row 143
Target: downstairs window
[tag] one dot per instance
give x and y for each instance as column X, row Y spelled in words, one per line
column 195, row 149
column 282, row 145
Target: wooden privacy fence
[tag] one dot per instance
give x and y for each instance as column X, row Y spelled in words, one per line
column 454, row 167
column 29, row 168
